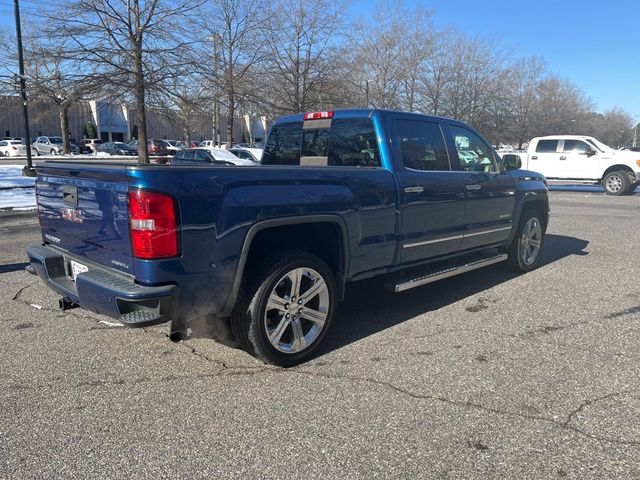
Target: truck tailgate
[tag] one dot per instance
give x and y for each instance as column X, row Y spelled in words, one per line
column 83, row 209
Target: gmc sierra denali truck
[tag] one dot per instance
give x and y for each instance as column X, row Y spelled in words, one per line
column 340, row 196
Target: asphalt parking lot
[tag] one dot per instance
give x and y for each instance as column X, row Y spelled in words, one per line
column 489, row 374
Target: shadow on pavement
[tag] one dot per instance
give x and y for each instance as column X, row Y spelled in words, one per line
column 13, row 267
column 369, row 308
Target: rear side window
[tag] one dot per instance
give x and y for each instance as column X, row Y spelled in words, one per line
column 422, row 145
column 349, row 142
column 547, row 146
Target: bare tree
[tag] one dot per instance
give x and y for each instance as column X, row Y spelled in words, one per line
column 237, row 48
column 135, row 43
column 302, row 40
column 56, row 76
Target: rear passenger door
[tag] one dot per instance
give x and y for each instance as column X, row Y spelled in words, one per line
column 546, row 158
column 432, row 196
column 489, row 193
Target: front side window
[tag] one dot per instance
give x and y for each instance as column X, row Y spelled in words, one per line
column 575, row 146
column 547, row 146
column 422, row 145
column 474, row 154
column 347, row 142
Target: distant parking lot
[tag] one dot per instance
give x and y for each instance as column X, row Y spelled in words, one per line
column 488, row 374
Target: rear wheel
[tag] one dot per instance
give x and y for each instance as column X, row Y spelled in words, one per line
column 616, row 183
column 286, row 308
column 525, row 250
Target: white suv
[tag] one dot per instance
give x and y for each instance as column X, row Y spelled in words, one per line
column 583, row 158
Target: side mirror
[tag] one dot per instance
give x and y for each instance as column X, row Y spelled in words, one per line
column 511, row 161
column 590, row 152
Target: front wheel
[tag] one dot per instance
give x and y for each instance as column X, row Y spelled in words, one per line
column 52, row 152
column 616, row 183
column 285, row 308
column 525, row 250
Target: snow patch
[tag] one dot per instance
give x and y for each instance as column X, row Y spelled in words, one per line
column 16, row 191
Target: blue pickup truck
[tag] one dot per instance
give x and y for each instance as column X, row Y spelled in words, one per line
column 340, row 196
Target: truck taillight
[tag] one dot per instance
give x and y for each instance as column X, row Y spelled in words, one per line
column 152, row 222
column 318, row 115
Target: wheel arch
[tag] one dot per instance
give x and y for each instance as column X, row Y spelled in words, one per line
column 333, row 249
column 617, row 168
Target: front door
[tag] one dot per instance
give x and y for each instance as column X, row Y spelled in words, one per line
column 490, row 194
column 432, row 196
column 575, row 163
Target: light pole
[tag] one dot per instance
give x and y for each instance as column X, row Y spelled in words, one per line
column 635, row 131
column 28, row 170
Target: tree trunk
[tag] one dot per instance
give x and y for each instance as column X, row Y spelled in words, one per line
column 64, row 127
column 230, row 113
column 141, row 113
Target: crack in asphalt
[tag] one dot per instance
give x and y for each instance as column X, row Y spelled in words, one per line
column 563, row 425
column 16, row 297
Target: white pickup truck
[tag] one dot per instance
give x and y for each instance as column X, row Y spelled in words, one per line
column 581, row 158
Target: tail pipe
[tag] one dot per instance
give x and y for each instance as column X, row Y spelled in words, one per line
column 178, row 330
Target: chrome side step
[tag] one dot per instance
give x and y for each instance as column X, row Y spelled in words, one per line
column 406, row 284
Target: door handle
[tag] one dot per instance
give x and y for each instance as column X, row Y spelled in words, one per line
column 562, row 157
column 535, row 157
column 474, row 187
column 416, row 189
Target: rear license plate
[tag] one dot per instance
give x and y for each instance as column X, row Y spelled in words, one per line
column 77, row 268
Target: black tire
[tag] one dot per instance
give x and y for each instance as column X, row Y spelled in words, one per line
column 520, row 258
column 251, row 318
column 617, row 183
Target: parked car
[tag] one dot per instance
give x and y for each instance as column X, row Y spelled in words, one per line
column 343, row 196
column 173, row 146
column 154, row 147
column 45, row 145
column 13, row 148
column 199, row 156
column 117, row 148
column 585, row 159
column 89, row 145
column 253, row 154
column 223, row 155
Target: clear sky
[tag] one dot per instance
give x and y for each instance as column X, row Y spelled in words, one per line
column 596, row 45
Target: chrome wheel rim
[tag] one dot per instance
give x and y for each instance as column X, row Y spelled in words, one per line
column 614, row 183
column 296, row 310
column 531, row 241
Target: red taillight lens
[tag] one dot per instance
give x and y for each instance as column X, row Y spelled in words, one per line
column 318, row 115
column 152, row 222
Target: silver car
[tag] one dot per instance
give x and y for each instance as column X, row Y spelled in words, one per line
column 51, row 146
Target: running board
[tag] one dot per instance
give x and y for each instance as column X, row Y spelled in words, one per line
column 406, row 284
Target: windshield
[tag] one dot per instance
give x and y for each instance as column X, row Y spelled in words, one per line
column 599, row 145
column 55, row 139
column 15, row 142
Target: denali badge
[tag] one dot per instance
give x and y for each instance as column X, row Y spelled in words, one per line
column 51, row 238
column 72, row 215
